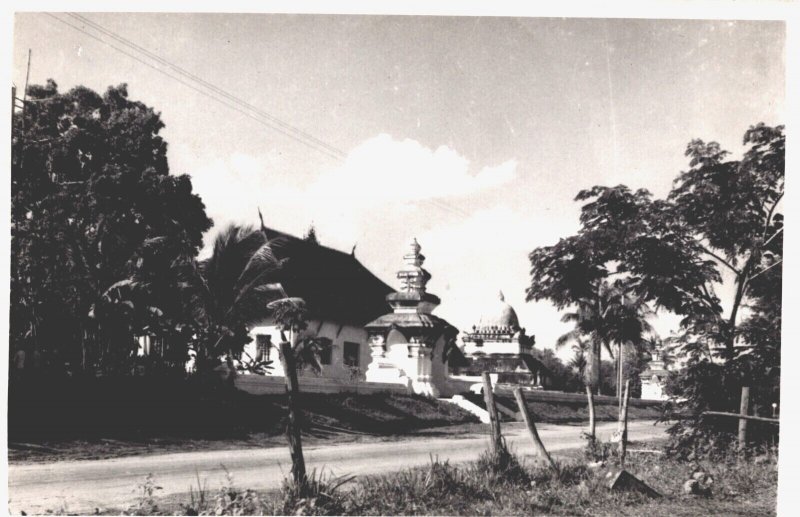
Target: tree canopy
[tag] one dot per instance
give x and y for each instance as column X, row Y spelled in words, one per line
column 93, row 204
column 721, row 214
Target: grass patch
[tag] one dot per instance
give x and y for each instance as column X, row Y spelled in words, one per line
column 485, row 487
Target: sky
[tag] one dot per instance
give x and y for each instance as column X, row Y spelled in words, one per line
column 472, row 134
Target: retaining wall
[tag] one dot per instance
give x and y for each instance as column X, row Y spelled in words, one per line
column 263, row 385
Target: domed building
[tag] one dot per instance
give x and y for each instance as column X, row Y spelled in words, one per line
column 499, row 345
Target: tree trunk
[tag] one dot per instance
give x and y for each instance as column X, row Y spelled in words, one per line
column 730, row 338
column 590, row 398
column 295, row 415
column 593, row 373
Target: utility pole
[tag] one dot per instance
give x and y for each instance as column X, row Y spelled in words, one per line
column 25, row 91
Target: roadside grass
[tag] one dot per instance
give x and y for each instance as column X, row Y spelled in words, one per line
column 520, row 487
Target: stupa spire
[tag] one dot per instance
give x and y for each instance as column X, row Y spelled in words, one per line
column 413, row 278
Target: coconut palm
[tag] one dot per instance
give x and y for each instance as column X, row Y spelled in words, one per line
column 231, row 289
column 614, row 316
column 578, row 362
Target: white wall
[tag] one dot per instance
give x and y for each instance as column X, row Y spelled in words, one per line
column 338, row 334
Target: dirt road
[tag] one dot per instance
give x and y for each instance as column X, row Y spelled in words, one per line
column 82, row 486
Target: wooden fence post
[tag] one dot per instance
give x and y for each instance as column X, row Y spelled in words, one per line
column 744, row 409
column 623, row 425
column 488, row 397
column 537, row 442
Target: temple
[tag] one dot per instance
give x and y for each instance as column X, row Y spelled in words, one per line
column 499, row 345
column 381, row 339
column 654, row 378
column 408, row 344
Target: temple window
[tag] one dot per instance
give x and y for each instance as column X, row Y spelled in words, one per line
column 325, row 351
column 263, row 347
column 351, row 354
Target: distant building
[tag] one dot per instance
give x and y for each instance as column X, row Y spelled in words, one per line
column 655, row 377
column 499, row 345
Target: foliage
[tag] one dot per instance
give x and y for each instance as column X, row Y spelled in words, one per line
column 708, row 386
column 231, row 289
column 146, row 502
column 101, row 231
column 228, row 500
column 612, row 315
column 321, row 495
column 722, row 215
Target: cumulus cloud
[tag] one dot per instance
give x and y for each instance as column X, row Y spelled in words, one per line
column 477, row 257
column 384, row 169
column 380, row 178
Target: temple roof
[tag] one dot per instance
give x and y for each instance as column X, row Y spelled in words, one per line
column 334, row 284
column 498, row 315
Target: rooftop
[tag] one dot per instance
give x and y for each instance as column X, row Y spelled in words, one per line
column 334, row 284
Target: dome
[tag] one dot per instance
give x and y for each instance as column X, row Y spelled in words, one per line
column 499, row 315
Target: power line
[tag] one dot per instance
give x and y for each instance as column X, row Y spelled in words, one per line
column 210, row 86
column 198, row 90
column 215, row 93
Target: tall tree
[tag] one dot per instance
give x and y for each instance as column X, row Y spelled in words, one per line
column 721, row 215
column 611, row 316
column 93, row 203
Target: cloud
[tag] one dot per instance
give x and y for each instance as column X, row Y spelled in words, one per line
column 475, row 258
column 380, row 179
column 383, row 169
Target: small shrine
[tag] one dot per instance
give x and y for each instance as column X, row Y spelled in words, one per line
column 655, row 377
column 499, row 345
column 408, row 345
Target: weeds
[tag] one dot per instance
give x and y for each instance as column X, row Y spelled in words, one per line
column 319, row 495
column 499, row 486
column 146, row 503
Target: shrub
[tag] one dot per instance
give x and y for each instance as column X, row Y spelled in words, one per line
column 320, row 495
column 707, row 386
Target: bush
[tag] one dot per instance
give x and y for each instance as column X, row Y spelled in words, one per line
column 707, row 386
column 320, row 495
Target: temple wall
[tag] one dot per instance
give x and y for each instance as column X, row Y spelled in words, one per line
column 491, row 347
column 263, row 385
column 338, row 334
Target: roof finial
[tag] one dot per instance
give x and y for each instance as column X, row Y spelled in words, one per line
column 502, row 298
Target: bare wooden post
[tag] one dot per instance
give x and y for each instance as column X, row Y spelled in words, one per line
column 537, row 442
column 293, row 424
column 590, row 396
column 494, row 420
column 623, row 425
column 744, row 409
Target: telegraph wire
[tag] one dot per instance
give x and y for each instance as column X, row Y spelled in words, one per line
column 207, row 84
column 198, row 90
column 271, row 122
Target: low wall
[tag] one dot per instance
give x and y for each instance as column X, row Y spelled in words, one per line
column 264, row 385
column 558, row 396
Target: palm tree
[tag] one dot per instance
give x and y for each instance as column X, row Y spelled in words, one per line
column 615, row 316
column 578, row 362
column 231, row 289
column 238, row 285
